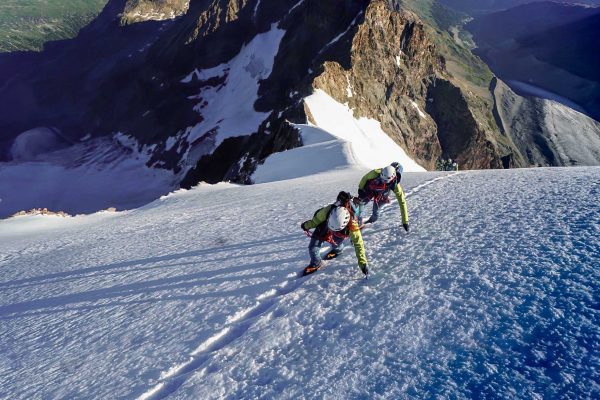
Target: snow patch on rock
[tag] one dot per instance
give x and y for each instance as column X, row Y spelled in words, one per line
column 228, row 109
column 416, row 107
column 371, row 146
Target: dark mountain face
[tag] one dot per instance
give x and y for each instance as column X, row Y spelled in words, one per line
column 573, row 46
column 550, row 46
column 61, row 86
column 210, row 94
column 478, row 7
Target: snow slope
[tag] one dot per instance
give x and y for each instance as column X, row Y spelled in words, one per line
column 493, row 294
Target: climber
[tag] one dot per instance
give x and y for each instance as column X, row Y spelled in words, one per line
column 376, row 185
column 333, row 224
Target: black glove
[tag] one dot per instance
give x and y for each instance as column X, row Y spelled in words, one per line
column 364, row 269
column 343, row 198
column 362, row 194
column 406, row 227
column 303, row 227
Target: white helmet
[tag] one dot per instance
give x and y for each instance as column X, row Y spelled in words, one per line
column 338, row 219
column 388, row 174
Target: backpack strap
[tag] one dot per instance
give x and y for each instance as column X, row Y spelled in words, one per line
column 321, row 231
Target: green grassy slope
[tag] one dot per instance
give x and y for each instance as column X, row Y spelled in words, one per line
column 27, row 24
column 454, row 43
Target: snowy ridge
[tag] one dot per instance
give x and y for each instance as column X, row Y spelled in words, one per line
column 372, row 147
column 322, row 152
column 338, row 141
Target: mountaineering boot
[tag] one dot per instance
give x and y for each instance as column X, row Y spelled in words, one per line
column 331, row 255
column 312, row 268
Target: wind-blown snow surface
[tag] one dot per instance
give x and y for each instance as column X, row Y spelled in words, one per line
column 493, row 294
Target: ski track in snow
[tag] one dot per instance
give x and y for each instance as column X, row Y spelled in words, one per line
column 237, row 326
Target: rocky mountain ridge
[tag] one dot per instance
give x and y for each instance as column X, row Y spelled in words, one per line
column 213, row 92
column 548, row 45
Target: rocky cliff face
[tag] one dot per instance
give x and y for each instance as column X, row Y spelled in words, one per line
column 391, row 64
column 210, row 94
column 397, row 76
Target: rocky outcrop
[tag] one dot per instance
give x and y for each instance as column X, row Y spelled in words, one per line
column 41, row 211
column 461, row 137
column 153, row 10
column 392, row 61
column 397, row 76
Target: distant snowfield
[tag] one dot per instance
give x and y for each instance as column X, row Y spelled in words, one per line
column 83, row 178
column 494, row 293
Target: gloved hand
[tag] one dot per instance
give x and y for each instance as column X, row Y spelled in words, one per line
column 406, row 227
column 303, row 227
column 364, row 269
column 362, row 194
